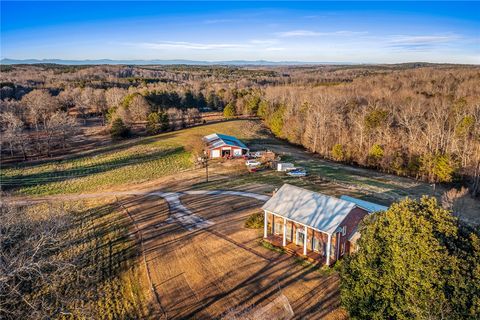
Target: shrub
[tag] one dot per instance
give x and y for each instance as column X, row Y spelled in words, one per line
column 255, row 221
column 119, row 130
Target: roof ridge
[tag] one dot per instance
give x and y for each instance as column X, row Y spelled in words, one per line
column 315, row 192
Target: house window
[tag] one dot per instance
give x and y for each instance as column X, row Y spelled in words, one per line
column 342, row 249
column 278, row 228
column 316, row 244
column 300, row 237
column 344, row 231
column 289, row 232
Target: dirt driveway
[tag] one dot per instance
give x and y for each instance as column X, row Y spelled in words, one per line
column 206, row 272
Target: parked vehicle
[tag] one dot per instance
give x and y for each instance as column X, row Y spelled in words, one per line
column 299, row 172
column 252, row 163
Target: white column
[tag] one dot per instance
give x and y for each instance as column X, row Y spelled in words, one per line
column 265, row 224
column 305, row 241
column 329, row 244
column 284, row 232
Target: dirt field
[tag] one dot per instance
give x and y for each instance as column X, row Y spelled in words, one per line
column 204, row 273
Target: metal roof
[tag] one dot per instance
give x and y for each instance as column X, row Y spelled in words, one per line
column 366, row 205
column 316, row 210
column 216, row 140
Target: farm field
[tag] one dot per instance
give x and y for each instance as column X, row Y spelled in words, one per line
column 131, row 162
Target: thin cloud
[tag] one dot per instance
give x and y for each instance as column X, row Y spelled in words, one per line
column 163, row 45
column 420, row 42
column 310, row 33
column 191, row 45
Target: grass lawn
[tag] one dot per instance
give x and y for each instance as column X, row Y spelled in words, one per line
column 129, row 162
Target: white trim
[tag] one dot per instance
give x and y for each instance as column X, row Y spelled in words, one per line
column 284, row 232
column 329, row 244
column 265, row 223
column 339, row 239
column 305, row 240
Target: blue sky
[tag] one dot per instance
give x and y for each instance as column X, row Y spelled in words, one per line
column 377, row 32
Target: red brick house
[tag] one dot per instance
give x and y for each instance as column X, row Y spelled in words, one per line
column 221, row 145
column 312, row 224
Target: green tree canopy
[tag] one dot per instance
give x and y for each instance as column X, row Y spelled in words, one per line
column 338, row 153
column 375, row 154
column 437, row 167
column 276, row 121
column 376, row 118
column 229, row 111
column 153, row 123
column 415, row 261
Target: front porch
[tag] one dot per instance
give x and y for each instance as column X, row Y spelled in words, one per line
column 298, row 239
column 294, row 250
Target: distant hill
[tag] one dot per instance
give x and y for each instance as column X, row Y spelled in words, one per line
column 8, row 61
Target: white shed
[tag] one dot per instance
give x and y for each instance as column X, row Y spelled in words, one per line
column 284, row 166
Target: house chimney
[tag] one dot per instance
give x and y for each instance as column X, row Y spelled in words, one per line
column 274, row 191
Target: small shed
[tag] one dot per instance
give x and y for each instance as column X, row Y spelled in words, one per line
column 224, row 146
column 284, row 166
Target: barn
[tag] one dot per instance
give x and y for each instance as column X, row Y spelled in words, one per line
column 314, row 225
column 221, row 146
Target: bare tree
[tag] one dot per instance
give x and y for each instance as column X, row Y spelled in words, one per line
column 40, row 105
column 192, row 116
column 12, row 127
column 454, row 199
column 139, row 108
column 28, row 263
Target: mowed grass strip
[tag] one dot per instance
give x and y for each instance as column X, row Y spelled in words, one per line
column 129, row 162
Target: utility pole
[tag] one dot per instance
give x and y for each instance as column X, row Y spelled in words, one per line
column 206, row 167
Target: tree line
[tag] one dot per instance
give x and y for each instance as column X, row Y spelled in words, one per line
column 411, row 120
column 419, row 123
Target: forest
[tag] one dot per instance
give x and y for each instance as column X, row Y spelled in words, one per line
column 418, row 120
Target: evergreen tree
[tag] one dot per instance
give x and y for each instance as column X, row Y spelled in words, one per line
column 189, row 101
column 153, row 123
column 229, row 111
column 338, row 153
column 201, row 101
column 119, row 130
column 415, row 261
column 164, row 121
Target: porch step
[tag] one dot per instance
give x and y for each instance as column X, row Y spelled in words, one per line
column 292, row 252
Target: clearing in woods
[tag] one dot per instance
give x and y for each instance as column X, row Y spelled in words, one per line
column 222, row 268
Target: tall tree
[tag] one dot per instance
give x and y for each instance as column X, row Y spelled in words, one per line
column 415, row 261
column 40, row 106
